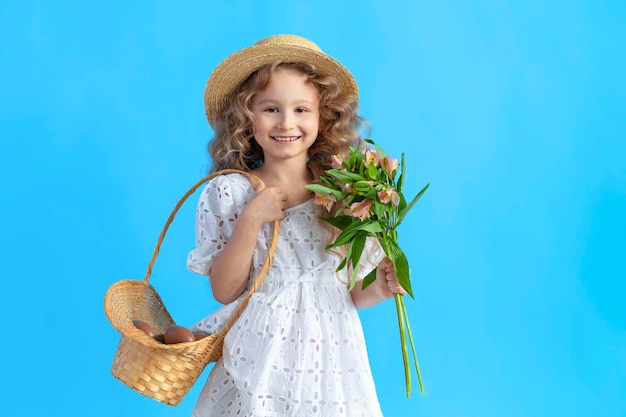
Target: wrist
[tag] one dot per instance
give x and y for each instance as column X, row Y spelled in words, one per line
column 250, row 219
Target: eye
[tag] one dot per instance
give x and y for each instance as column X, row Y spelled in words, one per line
column 301, row 110
column 271, row 110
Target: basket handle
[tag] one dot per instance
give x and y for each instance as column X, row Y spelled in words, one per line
column 255, row 284
column 169, row 220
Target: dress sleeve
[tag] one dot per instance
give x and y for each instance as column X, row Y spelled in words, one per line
column 373, row 253
column 219, row 205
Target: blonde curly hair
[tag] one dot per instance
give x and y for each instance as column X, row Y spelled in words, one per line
column 233, row 145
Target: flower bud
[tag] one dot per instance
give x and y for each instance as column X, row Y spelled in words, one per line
column 389, row 165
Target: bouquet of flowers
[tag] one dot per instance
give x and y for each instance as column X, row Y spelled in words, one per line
column 364, row 199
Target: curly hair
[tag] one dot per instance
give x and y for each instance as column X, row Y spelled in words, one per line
column 233, row 145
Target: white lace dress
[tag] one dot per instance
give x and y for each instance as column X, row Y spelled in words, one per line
column 298, row 348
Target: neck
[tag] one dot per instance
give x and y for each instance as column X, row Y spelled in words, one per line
column 290, row 178
column 285, row 172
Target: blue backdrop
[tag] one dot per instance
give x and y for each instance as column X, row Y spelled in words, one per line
column 514, row 111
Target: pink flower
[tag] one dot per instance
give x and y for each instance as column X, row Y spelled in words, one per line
column 371, row 157
column 346, row 212
column 389, row 164
column 326, row 200
column 361, row 209
column 389, row 195
column 336, row 161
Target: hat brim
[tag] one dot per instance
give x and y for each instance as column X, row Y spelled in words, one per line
column 236, row 68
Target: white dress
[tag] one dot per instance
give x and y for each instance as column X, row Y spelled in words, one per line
column 298, row 348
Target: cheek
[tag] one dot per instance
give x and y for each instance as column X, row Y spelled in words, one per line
column 260, row 124
column 313, row 125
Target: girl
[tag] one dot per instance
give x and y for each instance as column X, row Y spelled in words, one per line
column 281, row 108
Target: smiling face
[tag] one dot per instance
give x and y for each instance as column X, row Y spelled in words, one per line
column 286, row 115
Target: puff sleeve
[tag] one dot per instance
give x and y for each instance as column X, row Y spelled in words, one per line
column 373, row 253
column 218, row 208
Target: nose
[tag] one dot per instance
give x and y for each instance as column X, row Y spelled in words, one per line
column 286, row 121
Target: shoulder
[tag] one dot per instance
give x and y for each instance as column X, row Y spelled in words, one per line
column 228, row 187
column 231, row 180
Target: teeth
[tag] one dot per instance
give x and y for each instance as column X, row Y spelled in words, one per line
column 285, row 138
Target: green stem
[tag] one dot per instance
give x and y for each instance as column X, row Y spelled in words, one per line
column 405, row 351
column 405, row 330
column 408, row 327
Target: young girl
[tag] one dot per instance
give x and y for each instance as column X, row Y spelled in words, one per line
column 280, row 109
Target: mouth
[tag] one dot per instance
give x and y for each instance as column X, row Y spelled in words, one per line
column 285, row 139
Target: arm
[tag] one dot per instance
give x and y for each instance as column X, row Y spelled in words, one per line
column 230, row 271
column 229, row 274
column 384, row 287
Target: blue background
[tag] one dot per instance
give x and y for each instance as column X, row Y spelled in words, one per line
column 514, row 111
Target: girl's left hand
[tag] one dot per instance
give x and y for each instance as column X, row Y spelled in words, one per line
column 386, row 279
column 385, row 286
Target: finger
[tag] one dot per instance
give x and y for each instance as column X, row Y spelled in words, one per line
column 390, row 273
column 396, row 287
column 387, row 264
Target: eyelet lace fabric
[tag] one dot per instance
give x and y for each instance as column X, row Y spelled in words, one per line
column 298, row 348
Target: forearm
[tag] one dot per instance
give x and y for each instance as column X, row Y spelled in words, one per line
column 368, row 297
column 230, row 271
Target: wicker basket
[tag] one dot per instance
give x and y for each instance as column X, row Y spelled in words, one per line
column 159, row 371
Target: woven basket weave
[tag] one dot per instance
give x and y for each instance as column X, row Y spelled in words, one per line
column 156, row 370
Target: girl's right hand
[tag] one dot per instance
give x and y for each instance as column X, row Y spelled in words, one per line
column 267, row 204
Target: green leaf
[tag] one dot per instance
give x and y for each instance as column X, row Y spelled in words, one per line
column 385, row 179
column 369, row 226
column 400, row 185
column 344, row 237
column 329, row 182
column 372, row 194
column 346, row 204
column 379, row 209
column 380, row 150
column 340, row 222
column 401, row 266
column 352, row 159
column 405, row 210
column 372, row 172
column 344, row 261
column 342, row 264
column 401, row 205
column 321, row 189
column 348, row 233
column 369, row 279
column 345, row 176
column 357, row 244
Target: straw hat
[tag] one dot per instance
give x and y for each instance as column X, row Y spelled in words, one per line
column 234, row 70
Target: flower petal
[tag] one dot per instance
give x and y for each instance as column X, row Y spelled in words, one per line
column 361, row 209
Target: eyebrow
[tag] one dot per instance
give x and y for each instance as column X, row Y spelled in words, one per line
column 271, row 101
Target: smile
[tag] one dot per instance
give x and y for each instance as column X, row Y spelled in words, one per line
column 285, row 138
